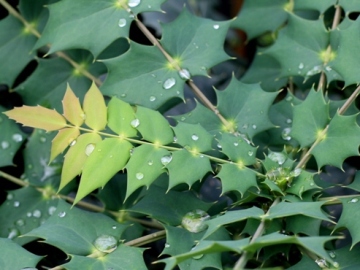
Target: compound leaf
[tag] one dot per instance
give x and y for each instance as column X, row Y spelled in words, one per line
column 62, row 140
column 95, row 109
column 72, row 108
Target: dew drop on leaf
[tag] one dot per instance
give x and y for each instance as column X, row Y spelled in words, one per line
column 5, row 145
column 296, row 172
column 51, row 210
column 354, row 200
column 167, row 245
column 73, row 143
column 194, row 221
column 194, row 137
column 219, row 146
column 37, row 213
column 9, row 196
column 150, row 162
column 89, row 149
column 301, row 66
column 254, row 126
column 216, row 26
column 321, row 263
column 197, row 257
column 165, row 160
column 236, row 143
column 105, row 243
column 332, row 254
column 133, row 3
column 17, row 137
column 289, row 98
column 277, row 157
column 16, row 204
column 139, row 176
column 250, row 153
column 122, row 22
column 152, row 98
column 175, row 139
column 184, row 74
column 135, row 123
column 114, row 227
column 62, row 214
column 169, row 83
column 13, row 233
column 20, row 222
column 288, row 121
column 42, row 139
column 285, row 134
column 28, row 214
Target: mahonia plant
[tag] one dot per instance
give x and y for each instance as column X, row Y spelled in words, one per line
column 119, row 171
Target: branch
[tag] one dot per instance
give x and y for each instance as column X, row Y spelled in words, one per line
column 146, row 239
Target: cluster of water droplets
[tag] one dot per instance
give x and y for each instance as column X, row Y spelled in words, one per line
column 194, row 221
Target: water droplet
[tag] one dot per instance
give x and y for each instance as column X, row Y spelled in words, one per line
column 17, row 137
column 16, row 204
column 169, row 83
column 89, row 149
column 288, row 121
column 245, row 126
column 183, row 118
column 51, row 210
column 194, row 221
column 62, row 214
column 219, row 146
column 194, row 137
column 42, row 139
column 123, row 95
column 175, row 139
column 5, row 145
column 354, row 200
column 328, row 68
column 301, row 66
column 250, row 153
column 83, row 116
column 73, row 143
column 135, row 123
column 285, row 134
column 312, row 184
column 165, row 160
column 254, row 126
column 184, row 74
column 122, row 22
column 216, row 26
column 37, row 213
column 9, row 196
column 296, row 172
column 336, row 264
column 152, row 98
column 133, row 3
column 20, row 222
column 28, row 214
column 277, row 157
column 114, row 227
column 167, row 245
column 236, row 143
column 150, row 162
column 105, row 243
column 289, row 98
column 321, row 263
column 13, row 233
column 197, row 257
column 332, row 254
column 139, row 176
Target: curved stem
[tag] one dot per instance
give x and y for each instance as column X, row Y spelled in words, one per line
column 146, row 239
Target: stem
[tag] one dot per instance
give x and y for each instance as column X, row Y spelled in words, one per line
column 14, row 179
column 240, row 264
column 335, row 199
column 146, row 239
column 33, row 30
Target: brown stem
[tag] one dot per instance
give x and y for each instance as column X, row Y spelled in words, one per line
column 146, row 239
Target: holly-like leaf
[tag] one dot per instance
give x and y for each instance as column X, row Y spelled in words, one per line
column 311, row 5
column 11, row 138
column 95, row 109
column 235, row 178
column 349, row 5
column 62, row 140
column 295, row 225
column 170, row 206
column 349, row 217
column 153, row 126
column 355, row 185
column 72, row 108
column 37, row 117
column 196, row 168
column 24, row 210
column 9, row 257
column 342, row 134
column 302, row 183
column 70, row 30
column 196, row 44
column 146, row 164
column 76, row 156
column 70, row 221
column 123, row 258
column 105, row 159
column 312, row 113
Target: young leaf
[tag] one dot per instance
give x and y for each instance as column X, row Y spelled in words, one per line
column 95, row 109
column 105, row 159
column 72, row 108
column 76, row 157
column 62, row 140
column 120, row 115
column 37, row 117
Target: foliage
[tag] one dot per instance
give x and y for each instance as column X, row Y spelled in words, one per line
column 142, row 168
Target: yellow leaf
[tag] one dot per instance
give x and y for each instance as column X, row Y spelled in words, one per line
column 72, row 108
column 76, row 157
column 95, row 109
column 63, row 140
column 37, row 117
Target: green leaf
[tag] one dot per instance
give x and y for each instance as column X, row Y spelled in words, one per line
column 187, row 167
column 231, row 217
column 349, row 217
column 75, row 157
column 72, row 108
column 9, row 256
column 355, row 184
column 71, row 222
column 145, row 166
column 108, row 19
column 343, row 133
column 120, row 115
column 95, row 109
column 193, row 137
column 302, row 224
column 62, row 140
column 269, row 16
column 235, row 178
column 24, row 210
column 346, row 257
column 11, row 138
column 105, row 160
column 320, row 6
column 345, row 61
column 51, row 91
column 153, row 126
column 168, row 207
column 349, row 5
column 123, row 258
column 312, row 113
column 302, row 183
